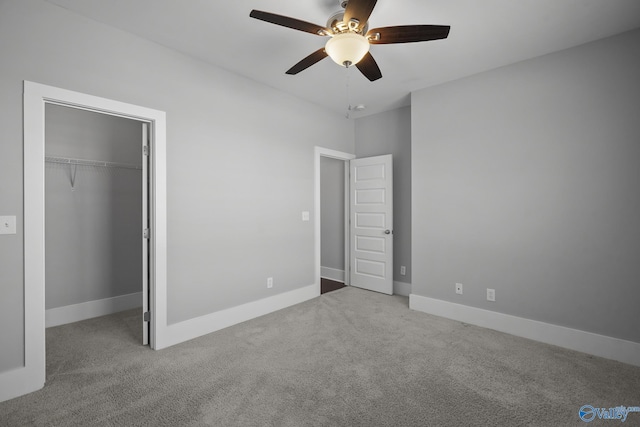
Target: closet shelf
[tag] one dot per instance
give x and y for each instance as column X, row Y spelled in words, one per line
column 84, row 162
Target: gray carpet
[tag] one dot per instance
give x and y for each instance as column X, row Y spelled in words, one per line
column 347, row 358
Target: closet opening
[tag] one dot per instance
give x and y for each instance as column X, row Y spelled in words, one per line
column 96, row 217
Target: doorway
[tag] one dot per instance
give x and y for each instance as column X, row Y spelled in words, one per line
column 368, row 220
column 36, row 96
column 336, row 159
column 95, row 213
column 332, row 224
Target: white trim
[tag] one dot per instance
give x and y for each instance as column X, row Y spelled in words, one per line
column 194, row 328
column 332, row 274
column 574, row 339
column 347, row 221
column 401, row 288
column 319, row 152
column 31, row 376
column 90, row 309
column 17, row 382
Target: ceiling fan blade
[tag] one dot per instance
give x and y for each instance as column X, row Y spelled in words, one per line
column 369, row 67
column 359, row 10
column 307, row 62
column 285, row 21
column 407, row 34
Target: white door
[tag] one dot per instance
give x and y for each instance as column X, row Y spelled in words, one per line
column 145, row 235
column 371, row 228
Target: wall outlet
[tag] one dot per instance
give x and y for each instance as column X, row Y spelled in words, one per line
column 459, row 288
column 269, row 282
column 403, row 270
column 491, row 294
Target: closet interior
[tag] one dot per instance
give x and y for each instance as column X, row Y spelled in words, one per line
column 93, row 214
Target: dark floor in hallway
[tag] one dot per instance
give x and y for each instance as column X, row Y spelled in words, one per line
column 327, row 285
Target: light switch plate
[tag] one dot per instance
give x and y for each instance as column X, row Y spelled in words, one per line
column 305, row 215
column 8, row 224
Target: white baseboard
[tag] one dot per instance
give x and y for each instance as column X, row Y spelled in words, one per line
column 193, row 328
column 17, row 382
column 574, row 339
column 332, row 274
column 401, row 288
column 88, row 310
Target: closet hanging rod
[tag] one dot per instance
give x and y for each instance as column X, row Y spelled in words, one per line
column 84, row 162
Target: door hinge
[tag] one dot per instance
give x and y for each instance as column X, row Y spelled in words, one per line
column 145, row 150
column 145, row 233
column 146, row 316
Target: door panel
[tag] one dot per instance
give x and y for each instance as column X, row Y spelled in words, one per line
column 370, row 220
column 371, row 228
column 370, row 244
column 145, row 233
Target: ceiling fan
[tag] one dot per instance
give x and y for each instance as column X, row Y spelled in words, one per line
column 351, row 37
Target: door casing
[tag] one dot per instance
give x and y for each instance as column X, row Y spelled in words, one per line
column 32, row 376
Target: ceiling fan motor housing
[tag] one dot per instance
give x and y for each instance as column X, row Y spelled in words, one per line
column 335, row 22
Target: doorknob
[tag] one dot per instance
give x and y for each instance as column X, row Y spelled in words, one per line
column 387, row 231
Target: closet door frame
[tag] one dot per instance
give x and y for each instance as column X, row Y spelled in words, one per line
column 32, row 376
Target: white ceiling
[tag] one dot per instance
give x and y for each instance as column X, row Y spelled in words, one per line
column 485, row 34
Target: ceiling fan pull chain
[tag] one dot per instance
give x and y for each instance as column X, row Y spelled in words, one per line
column 348, row 94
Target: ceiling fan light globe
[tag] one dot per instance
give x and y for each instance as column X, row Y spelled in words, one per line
column 347, row 48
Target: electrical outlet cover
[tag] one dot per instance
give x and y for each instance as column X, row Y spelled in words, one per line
column 8, row 224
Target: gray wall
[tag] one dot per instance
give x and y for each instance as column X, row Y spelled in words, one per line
column 525, row 179
column 332, row 213
column 94, row 231
column 238, row 173
column 390, row 133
